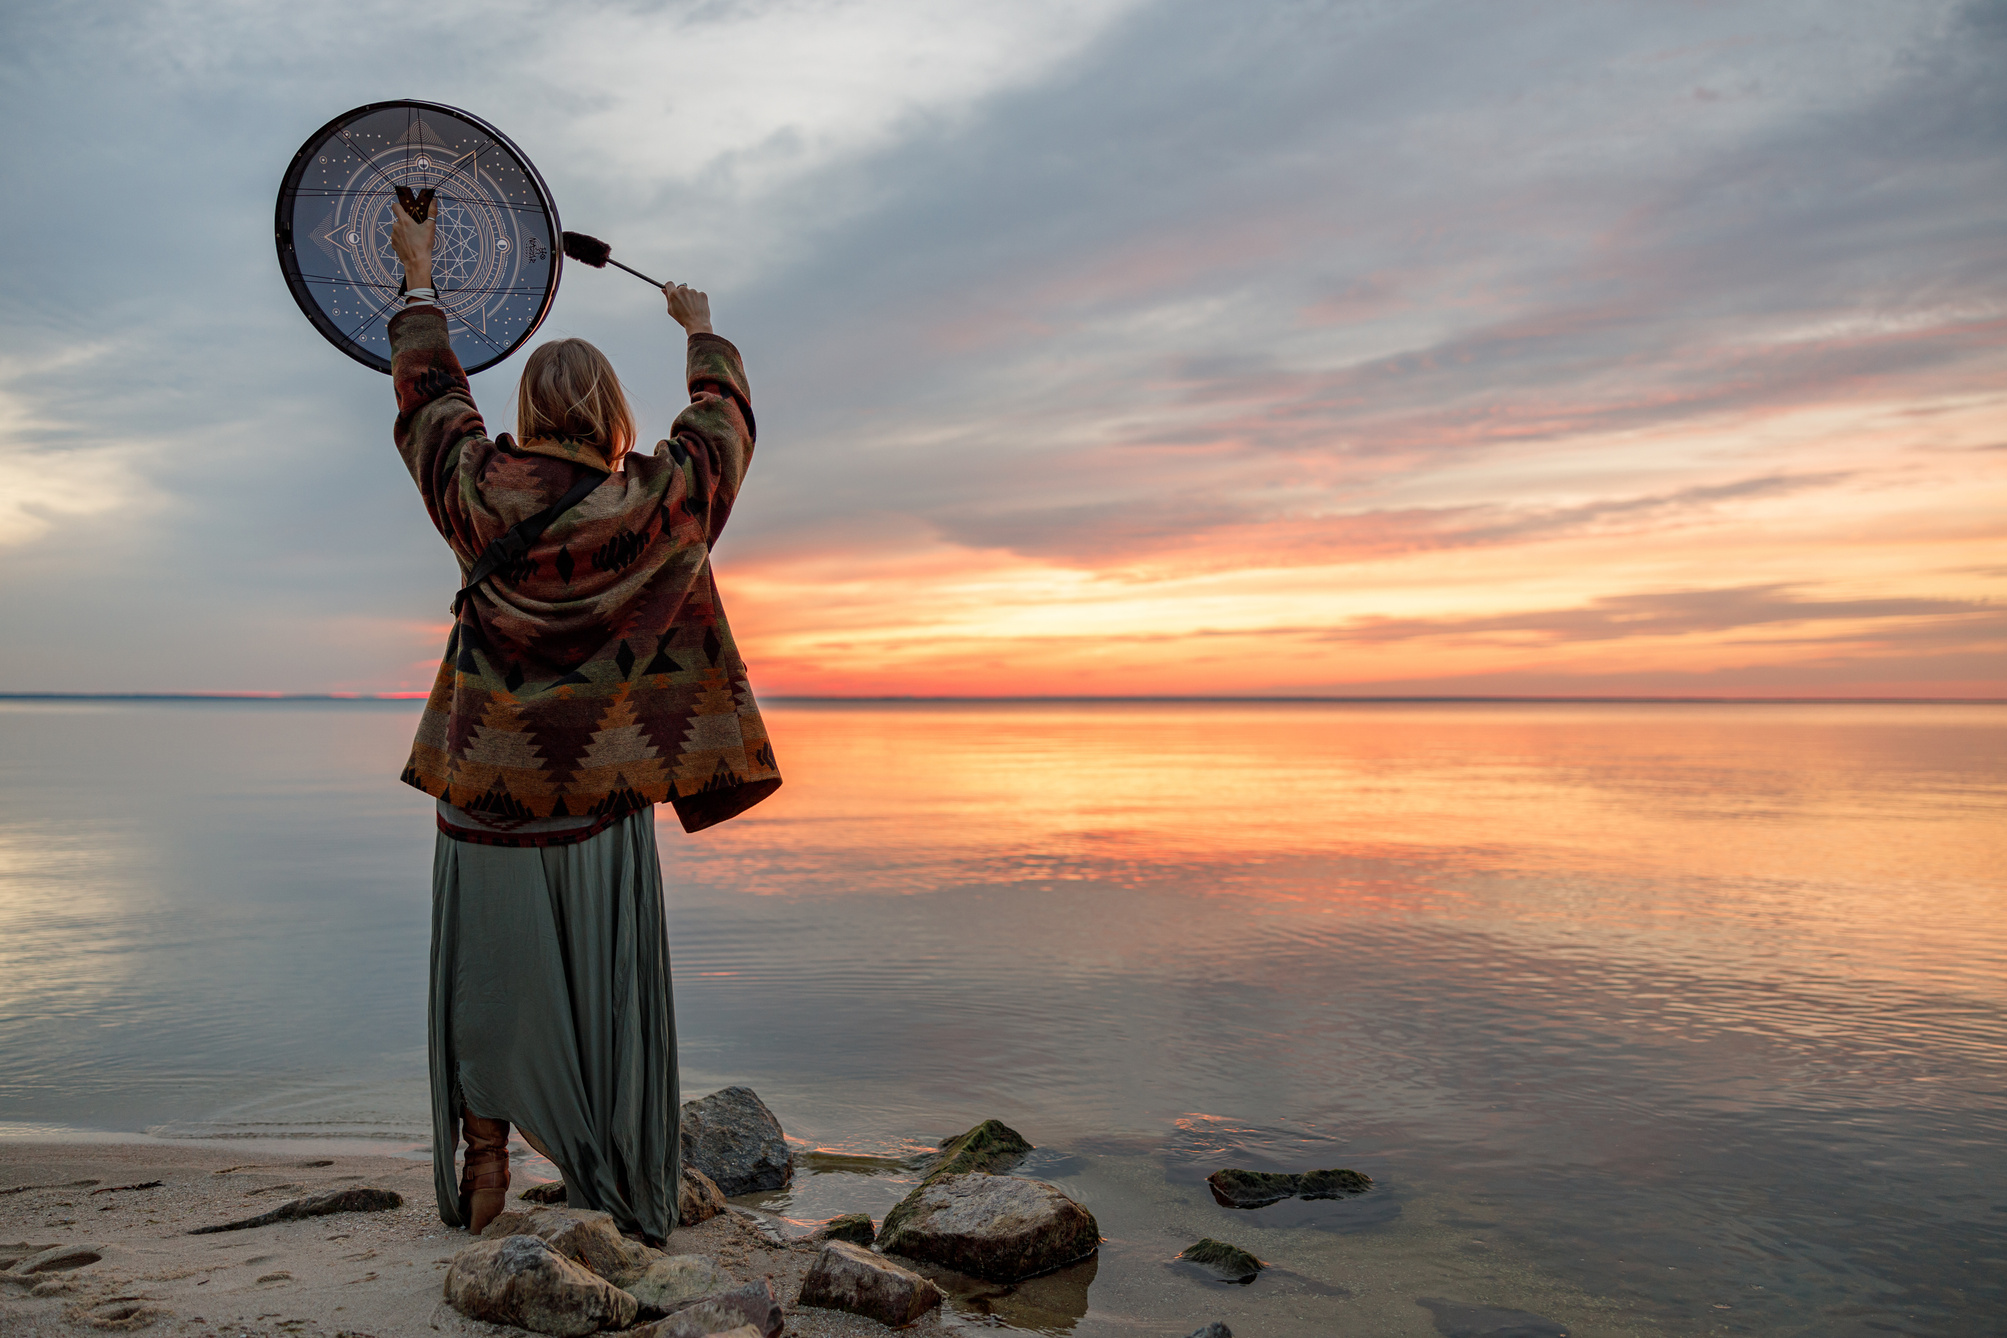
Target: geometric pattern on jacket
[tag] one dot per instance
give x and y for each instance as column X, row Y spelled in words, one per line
column 596, row 674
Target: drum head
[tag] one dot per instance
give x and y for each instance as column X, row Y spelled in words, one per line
column 495, row 258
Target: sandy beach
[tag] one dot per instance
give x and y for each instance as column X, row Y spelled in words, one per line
column 364, row 1275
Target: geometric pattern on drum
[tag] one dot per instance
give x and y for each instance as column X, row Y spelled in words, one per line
column 597, row 673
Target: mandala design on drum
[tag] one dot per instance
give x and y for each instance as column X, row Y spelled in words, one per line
column 493, row 265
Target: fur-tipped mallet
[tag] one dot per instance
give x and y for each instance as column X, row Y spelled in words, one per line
column 596, row 253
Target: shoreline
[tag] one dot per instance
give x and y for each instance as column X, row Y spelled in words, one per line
column 359, row 1275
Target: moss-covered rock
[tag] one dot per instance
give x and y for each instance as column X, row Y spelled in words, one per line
column 1332, row 1184
column 1235, row 1188
column 1250, row 1189
column 1229, row 1262
column 991, row 1146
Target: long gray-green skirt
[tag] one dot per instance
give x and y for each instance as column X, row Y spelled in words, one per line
column 550, row 1009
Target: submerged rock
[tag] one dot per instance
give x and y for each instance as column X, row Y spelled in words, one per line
column 850, row 1277
column 1234, row 1188
column 674, row 1282
column 521, row 1280
column 698, row 1198
column 589, row 1237
column 315, row 1205
column 991, row 1146
column 752, row 1306
column 853, row 1227
column 734, row 1139
column 1229, row 1263
column 1334, row 1183
column 996, row 1227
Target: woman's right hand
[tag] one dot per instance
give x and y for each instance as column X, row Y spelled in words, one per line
column 412, row 241
column 691, row 308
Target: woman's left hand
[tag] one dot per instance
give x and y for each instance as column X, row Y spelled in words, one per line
column 412, row 241
column 690, row 308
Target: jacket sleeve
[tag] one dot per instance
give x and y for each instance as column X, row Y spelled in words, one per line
column 436, row 418
column 712, row 440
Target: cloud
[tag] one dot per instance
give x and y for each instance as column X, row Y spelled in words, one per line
column 1200, row 531
column 48, row 469
column 1091, row 311
column 1685, row 612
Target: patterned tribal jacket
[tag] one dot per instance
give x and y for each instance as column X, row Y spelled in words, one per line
column 596, row 674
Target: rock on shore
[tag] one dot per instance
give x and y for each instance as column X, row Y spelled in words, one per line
column 674, row 1282
column 521, row 1280
column 734, row 1139
column 589, row 1237
column 850, row 1277
column 698, row 1198
column 510, row 1277
column 752, row 1305
column 999, row 1228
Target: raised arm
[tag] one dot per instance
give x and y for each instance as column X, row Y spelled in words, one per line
column 435, row 407
column 712, row 440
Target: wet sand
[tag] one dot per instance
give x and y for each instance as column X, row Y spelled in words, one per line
column 376, row 1274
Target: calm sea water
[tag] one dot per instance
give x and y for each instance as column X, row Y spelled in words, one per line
column 1645, row 1019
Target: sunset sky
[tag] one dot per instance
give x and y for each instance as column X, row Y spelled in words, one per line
column 1107, row 347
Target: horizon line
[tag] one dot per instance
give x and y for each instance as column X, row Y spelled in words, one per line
column 1242, row 698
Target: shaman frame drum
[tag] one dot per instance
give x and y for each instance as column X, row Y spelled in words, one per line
column 497, row 256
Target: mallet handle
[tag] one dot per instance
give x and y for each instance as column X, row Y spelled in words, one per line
column 635, row 272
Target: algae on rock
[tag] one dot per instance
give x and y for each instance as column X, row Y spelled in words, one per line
column 1230, row 1262
column 987, row 1148
column 991, row 1146
column 1332, row 1184
column 1235, row 1188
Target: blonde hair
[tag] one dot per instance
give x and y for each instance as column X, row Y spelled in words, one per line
column 569, row 390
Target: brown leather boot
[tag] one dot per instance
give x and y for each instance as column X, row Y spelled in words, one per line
column 484, row 1175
